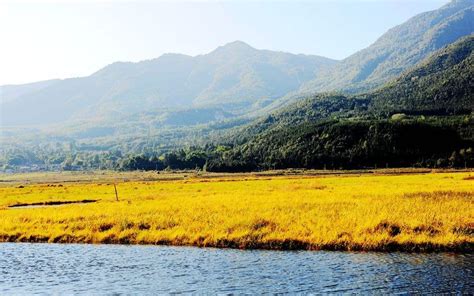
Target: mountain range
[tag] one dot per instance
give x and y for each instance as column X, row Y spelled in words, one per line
column 437, row 101
column 235, row 78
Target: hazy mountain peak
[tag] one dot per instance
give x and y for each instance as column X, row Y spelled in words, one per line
column 234, row 47
column 172, row 55
column 237, row 44
column 114, row 67
column 170, row 58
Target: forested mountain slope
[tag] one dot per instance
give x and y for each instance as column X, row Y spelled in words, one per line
column 435, row 129
column 443, row 84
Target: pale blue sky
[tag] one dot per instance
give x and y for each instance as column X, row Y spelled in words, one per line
column 60, row 39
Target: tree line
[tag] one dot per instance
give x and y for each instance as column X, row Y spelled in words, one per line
column 337, row 144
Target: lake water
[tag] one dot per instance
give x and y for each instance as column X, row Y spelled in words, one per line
column 111, row 269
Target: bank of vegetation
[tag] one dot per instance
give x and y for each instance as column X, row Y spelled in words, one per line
column 401, row 212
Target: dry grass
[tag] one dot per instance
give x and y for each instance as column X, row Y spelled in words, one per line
column 409, row 212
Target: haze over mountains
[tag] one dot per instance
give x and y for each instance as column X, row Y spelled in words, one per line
column 231, row 80
column 234, row 77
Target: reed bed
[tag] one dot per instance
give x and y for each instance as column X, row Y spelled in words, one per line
column 370, row 212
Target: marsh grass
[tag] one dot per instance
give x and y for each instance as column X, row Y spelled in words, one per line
column 379, row 212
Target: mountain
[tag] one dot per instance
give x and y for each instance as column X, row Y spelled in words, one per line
column 436, row 127
column 442, row 85
column 234, row 76
column 398, row 50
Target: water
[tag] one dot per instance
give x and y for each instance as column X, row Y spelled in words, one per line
column 110, row 269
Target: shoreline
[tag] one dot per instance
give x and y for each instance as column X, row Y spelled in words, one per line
column 283, row 246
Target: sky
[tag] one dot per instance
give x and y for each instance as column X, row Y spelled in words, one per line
column 62, row 39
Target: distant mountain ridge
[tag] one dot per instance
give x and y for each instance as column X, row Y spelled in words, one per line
column 234, row 79
column 11, row 92
column 235, row 74
column 401, row 48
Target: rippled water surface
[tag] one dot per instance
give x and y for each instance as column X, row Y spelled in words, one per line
column 109, row 269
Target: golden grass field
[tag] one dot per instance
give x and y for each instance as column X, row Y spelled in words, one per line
column 382, row 211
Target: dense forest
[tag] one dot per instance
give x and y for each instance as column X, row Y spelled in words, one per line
column 442, row 85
